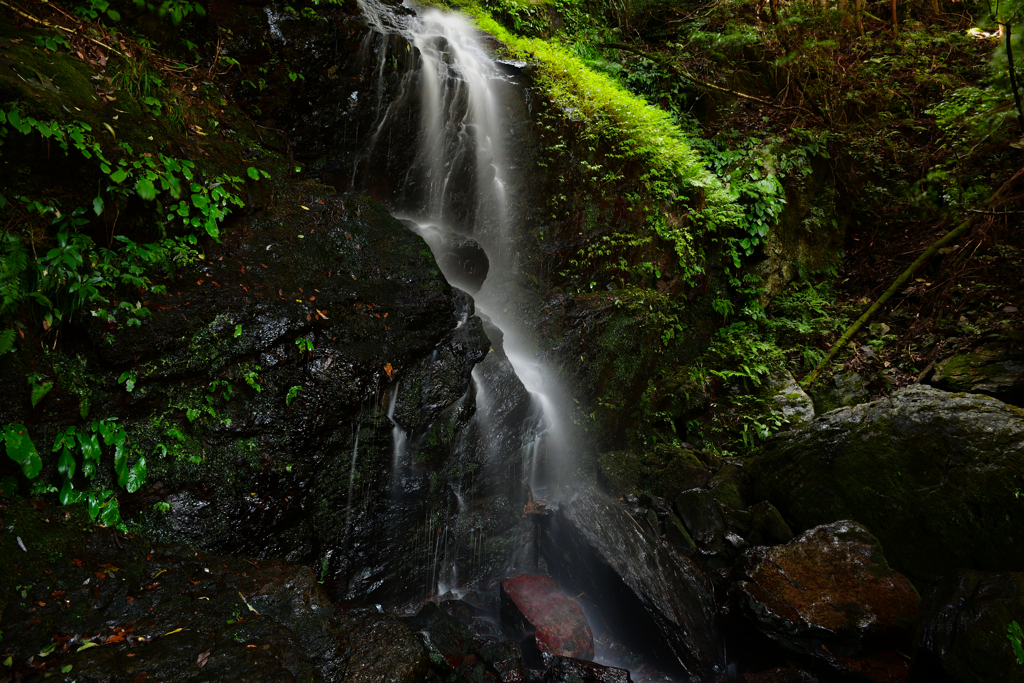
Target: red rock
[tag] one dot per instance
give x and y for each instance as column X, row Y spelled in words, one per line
column 535, row 604
column 831, row 594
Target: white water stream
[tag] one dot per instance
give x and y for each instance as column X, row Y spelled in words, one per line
column 463, row 126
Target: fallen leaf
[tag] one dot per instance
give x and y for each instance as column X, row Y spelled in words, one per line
column 203, row 658
column 169, row 633
column 86, row 645
column 114, row 639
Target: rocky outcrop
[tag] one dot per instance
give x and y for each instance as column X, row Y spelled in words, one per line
column 934, row 476
column 962, row 636
column 651, row 596
column 830, row 594
column 989, row 370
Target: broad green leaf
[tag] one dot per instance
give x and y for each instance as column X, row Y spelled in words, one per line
column 66, row 463
column 110, row 513
column 97, row 205
column 136, row 476
column 21, row 450
column 93, row 504
column 121, row 466
column 69, row 495
column 6, row 340
column 146, row 190
column 119, row 175
column 253, row 173
column 86, row 645
column 90, row 454
column 114, row 16
column 39, row 391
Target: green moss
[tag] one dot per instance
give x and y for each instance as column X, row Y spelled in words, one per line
column 673, row 172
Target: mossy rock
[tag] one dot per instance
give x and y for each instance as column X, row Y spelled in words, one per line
column 664, row 471
column 990, row 370
column 935, row 476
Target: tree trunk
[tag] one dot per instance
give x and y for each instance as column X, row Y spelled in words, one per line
column 1008, row 37
column 894, row 22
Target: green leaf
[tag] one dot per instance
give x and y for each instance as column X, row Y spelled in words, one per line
column 67, row 667
column 66, row 463
column 39, row 391
column 90, row 446
column 146, row 190
column 119, row 175
column 6, row 340
column 83, row 407
column 114, row 16
column 238, row 331
column 21, row 450
column 97, row 205
column 111, row 513
column 136, row 476
column 121, row 466
column 92, row 506
column 253, row 173
column 69, row 495
column 87, row 644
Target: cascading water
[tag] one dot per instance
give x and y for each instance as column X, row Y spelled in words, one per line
column 458, row 190
column 457, row 185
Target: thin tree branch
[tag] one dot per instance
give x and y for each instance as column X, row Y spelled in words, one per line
column 43, row 22
column 690, row 77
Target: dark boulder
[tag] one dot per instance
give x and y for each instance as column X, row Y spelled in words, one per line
column 652, row 597
column 534, row 605
column 830, row 594
column 934, row 475
column 568, row 670
column 962, row 635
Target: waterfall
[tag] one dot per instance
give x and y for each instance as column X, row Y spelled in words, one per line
column 459, row 182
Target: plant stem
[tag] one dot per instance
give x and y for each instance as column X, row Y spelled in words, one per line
column 906, row 275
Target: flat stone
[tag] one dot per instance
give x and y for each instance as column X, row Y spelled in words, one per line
column 830, row 594
column 535, row 604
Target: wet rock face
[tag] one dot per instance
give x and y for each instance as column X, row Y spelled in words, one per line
column 830, row 594
column 261, row 391
column 461, row 258
column 962, row 634
column 173, row 614
column 932, row 474
column 654, row 598
column 535, row 605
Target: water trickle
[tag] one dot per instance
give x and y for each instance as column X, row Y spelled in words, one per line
column 398, row 436
column 351, row 481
